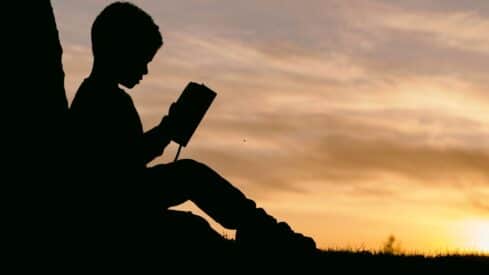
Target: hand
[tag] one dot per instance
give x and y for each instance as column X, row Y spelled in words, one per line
column 167, row 123
column 165, row 126
column 172, row 111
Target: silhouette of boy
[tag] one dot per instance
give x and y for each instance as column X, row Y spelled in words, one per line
column 120, row 198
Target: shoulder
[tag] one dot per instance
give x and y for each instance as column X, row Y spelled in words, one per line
column 93, row 94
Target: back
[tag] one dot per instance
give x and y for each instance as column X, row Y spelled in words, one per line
column 106, row 129
column 113, row 211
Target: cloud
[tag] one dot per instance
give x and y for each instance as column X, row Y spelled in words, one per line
column 299, row 110
column 481, row 205
column 462, row 30
column 334, row 149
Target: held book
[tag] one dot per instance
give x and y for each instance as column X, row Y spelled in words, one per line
column 191, row 107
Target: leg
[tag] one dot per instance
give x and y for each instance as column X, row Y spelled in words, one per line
column 185, row 180
column 184, row 232
column 190, row 237
column 190, row 180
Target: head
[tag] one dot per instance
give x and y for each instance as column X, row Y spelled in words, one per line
column 124, row 40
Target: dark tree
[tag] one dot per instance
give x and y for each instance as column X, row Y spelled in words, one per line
column 34, row 108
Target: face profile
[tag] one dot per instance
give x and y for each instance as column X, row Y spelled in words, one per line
column 133, row 71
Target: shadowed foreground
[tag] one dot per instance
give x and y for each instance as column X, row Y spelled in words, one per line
column 188, row 240
column 368, row 261
column 347, row 262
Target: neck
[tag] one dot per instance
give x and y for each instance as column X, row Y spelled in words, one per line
column 102, row 73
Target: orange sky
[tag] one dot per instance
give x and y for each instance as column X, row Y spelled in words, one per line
column 351, row 120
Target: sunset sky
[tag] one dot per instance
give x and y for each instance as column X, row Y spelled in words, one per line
column 350, row 120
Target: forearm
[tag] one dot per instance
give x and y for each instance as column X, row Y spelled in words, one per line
column 154, row 143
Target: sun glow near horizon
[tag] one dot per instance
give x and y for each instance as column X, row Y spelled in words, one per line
column 477, row 234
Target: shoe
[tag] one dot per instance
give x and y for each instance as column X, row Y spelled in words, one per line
column 264, row 235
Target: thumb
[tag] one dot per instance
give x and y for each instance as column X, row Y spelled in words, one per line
column 173, row 109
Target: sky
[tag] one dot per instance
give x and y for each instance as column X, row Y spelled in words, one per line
column 350, row 120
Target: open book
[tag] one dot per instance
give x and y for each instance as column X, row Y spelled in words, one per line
column 191, row 107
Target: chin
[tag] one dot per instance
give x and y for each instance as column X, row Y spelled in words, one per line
column 129, row 85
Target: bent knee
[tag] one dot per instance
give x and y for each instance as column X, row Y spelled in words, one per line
column 192, row 166
column 196, row 174
column 186, row 162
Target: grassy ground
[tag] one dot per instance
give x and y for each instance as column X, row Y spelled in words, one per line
column 332, row 262
column 387, row 262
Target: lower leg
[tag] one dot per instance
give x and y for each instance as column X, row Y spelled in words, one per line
column 190, row 180
column 219, row 198
column 228, row 206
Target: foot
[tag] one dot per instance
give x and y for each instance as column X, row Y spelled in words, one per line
column 264, row 234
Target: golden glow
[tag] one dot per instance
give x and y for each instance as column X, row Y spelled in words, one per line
column 478, row 235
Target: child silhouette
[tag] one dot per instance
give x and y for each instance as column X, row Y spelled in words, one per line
column 121, row 197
